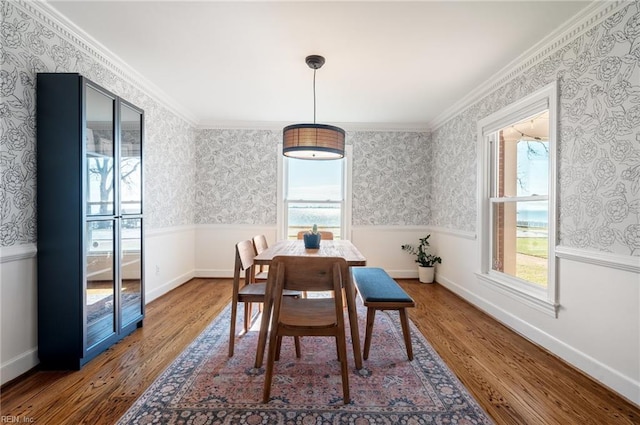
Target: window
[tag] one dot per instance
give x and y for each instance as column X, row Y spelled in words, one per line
column 517, row 199
column 314, row 192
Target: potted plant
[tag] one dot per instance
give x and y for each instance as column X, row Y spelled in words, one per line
column 426, row 262
column 312, row 238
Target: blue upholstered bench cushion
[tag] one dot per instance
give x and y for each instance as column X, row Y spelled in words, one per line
column 375, row 285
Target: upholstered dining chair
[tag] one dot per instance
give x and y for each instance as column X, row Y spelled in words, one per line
column 248, row 291
column 324, row 235
column 306, row 316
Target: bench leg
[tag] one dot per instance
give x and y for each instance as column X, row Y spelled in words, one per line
column 405, row 332
column 371, row 315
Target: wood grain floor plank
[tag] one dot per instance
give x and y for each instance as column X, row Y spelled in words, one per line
column 514, row 380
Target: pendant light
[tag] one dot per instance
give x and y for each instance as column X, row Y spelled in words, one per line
column 313, row 141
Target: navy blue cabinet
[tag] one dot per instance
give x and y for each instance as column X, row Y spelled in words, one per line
column 90, row 219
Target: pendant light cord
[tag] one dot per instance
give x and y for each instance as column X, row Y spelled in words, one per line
column 314, row 95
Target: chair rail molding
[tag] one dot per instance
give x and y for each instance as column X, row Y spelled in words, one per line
column 18, row 252
column 169, row 230
column 414, row 228
column 598, row 258
column 464, row 234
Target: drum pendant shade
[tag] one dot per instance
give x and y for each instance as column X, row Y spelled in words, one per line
column 313, row 141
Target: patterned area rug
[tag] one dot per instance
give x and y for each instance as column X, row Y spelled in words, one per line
column 204, row 386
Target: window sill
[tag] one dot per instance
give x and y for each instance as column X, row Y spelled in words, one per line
column 530, row 296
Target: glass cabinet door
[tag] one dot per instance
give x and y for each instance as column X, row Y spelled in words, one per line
column 100, row 303
column 130, row 160
column 99, row 152
column 131, row 260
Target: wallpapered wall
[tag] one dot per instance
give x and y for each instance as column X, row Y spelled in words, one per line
column 236, row 177
column 599, row 140
column 391, row 178
column 31, row 44
column 399, row 178
column 191, row 176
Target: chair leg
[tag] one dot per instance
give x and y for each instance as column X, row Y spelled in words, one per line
column 268, row 375
column 344, row 367
column 232, row 331
column 371, row 315
column 247, row 316
column 296, row 340
column 279, row 346
column 405, row 332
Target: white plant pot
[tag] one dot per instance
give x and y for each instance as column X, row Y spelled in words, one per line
column 426, row 274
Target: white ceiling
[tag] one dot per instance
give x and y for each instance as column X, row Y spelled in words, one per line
column 388, row 64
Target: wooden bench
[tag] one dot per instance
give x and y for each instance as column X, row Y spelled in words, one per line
column 379, row 291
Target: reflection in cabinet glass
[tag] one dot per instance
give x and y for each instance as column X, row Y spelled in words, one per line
column 99, row 303
column 130, row 161
column 90, row 222
column 131, row 260
column 100, row 152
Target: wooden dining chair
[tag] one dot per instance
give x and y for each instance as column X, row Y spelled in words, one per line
column 307, row 316
column 324, row 235
column 260, row 244
column 248, row 290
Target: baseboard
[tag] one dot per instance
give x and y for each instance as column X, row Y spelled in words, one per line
column 403, row 274
column 18, row 365
column 214, row 273
column 612, row 379
column 228, row 274
column 168, row 286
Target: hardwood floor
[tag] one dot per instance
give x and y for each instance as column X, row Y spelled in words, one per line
column 514, row 381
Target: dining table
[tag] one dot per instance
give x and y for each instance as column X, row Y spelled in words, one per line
column 328, row 248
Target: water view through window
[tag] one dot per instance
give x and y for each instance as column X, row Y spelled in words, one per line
column 520, row 204
column 314, row 195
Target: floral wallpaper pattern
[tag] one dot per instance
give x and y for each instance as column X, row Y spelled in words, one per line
column 237, row 177
column 391, row 178
column 221, row 176
column 598, row 143
column 29, row 44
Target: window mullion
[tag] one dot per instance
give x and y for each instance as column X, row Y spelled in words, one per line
column 508, row 199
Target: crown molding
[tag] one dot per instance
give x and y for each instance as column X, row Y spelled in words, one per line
column 592, row 15
column 347, row 126
column 47, row 14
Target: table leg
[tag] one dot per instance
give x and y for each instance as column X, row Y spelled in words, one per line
column 353, row 320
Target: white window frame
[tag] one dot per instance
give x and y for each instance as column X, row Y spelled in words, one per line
column 537, row 297
column 345, row 221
